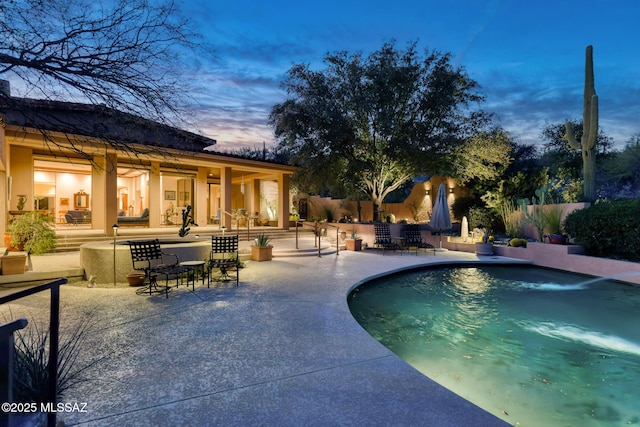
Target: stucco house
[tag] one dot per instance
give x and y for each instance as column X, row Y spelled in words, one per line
column 98, row 165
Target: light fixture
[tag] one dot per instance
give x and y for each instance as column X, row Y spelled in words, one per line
column 242, row 184
column 115, row 235
column 451, row 190
column 428, row 192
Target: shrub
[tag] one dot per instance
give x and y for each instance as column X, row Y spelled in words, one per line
column 30, row 368
column 35, row 231
column 262, row 240
column 607, row 229
column 481, row 218
column 462, row 205
column 518, row 243
column 512, row 217
column 553, row 219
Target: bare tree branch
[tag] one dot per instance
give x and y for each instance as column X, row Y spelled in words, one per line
column 124, row 54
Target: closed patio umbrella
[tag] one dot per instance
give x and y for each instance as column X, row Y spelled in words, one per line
column 440, row 218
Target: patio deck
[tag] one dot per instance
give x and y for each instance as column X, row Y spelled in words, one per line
column 281, row 349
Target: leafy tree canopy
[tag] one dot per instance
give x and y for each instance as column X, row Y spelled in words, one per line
column 368, row 124
column 558, row 154
column 484, row 156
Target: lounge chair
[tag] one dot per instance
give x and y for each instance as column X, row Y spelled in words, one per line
column 413, row 238
column 383, row 238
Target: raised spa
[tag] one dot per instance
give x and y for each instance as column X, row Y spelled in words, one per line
column 535, row 347
column 97, row 257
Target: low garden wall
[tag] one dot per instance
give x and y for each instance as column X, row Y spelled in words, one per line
column 571, row 258
column 561, row 257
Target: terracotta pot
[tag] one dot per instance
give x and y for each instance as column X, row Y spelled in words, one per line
column 9, row 246
column 261, row 253
column 354, row 244
column 135, row 279
column 13, row 264
column 557, row 239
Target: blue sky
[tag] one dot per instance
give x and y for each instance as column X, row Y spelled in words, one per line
column 527, row 56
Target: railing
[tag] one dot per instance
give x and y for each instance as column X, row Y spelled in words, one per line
column 7, row 348
column 318, row 233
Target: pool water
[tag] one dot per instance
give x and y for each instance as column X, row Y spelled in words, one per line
column 535, row 347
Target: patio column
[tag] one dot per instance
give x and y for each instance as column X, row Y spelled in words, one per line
column 255, row 197
column 225, row 197
column 21, row 169
column 4, row 180
column 283, row 200
column 201, row 199
column 104, row 193
column 155, row 198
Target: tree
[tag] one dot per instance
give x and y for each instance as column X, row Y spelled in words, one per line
column 121, row 54
column 484, row 156
column 368, row 124
column 623, row 169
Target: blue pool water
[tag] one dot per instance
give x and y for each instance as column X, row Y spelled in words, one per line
column 535, row 347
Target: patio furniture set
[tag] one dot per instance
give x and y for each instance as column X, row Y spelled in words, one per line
column 147, row 256
column 411, row 238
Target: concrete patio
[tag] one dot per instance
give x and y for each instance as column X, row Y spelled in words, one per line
column 281, row 349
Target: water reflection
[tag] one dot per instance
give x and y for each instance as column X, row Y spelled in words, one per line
column 547, row 350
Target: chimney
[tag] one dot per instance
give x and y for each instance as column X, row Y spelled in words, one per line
column 5, row 88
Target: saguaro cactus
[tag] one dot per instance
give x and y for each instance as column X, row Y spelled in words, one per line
column 587, row 143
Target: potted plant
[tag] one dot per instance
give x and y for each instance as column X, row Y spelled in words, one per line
column 32, row 232
column 354, row 243
column 553, row 219
column 485, row 246
column 261, row 250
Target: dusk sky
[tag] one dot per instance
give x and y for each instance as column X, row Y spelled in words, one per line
column 527, row 56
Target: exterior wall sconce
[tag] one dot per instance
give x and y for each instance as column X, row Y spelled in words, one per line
column 428, row 192
column 451, row 190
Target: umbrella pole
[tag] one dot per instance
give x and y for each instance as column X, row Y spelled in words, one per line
column 441, row 249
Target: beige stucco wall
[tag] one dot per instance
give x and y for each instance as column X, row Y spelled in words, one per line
column 416, row 207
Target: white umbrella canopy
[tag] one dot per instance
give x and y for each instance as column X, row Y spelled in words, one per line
column 440, row 218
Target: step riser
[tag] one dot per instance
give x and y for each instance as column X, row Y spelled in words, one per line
column 66, row 243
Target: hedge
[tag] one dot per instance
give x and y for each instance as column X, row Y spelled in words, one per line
column 609, row 228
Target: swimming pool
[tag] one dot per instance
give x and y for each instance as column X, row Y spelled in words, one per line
column 532, row 346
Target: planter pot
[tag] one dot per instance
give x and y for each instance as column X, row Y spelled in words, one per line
column 9, row 246
column 354, row 244
column 261, row 253
column 557, row 239
column 13, row 264
column 135, row 279
column 484, row 249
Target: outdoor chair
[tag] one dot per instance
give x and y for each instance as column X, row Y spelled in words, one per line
column 413, row 238
column 224, row 257
column 147, row 256
column 383, row 238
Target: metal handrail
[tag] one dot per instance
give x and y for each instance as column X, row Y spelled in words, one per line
column 54, row 335
column 316, row 227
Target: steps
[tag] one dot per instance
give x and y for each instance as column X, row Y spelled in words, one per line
column 72, row 239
